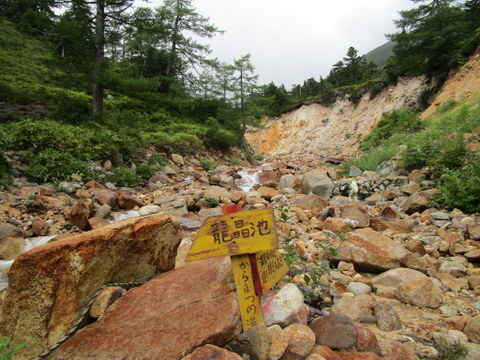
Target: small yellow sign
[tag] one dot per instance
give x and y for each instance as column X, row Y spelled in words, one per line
column 232, row 234
column 271, row 267
column 248, row 301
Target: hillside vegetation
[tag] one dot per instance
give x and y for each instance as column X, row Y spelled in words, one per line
column 107, row 80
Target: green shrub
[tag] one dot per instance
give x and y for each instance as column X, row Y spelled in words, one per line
column 156, row 158
column 207, row 164
column 259, row 157
column 460, row 188
column 5, row 171
column 451, row 155
column 55, row 165
column 125, row 176
column 399, row 121
column 372, row 160
column 419, row 155
column 146, row 171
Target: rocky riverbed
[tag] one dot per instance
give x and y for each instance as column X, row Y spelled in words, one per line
column 383, row 274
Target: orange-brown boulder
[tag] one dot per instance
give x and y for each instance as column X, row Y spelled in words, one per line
column 166, row 318
column 81, row 212
column 50, row 285
column 212, row 352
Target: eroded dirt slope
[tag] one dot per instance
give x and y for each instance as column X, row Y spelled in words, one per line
column 465, row 82
column 314, row 131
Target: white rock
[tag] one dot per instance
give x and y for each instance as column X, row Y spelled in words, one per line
column 149, row 210
column 283, row 308
column 359, row 288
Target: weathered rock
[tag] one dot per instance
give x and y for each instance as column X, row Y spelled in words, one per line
column 127, row 200
column 9, row 230
column 386, row 317
column 359, row 356
column 284, row 307
column 472, row 329
column 391, row 350
column 421, row 293
column 473, row 231
column 311, row 202
column 11, row 247
column 335, row 331
column 51, row 284
column 317, row 182
column 287, row 181
column 178, row 159
column 370, row 250
column 335, row 225
column 301, row 340
column 104, row 299
column 454, row 268
column 212, row 352
column 325, row 352
column 105, row 197
column 396, row 226
column 366, row 340
column 103, row 211
column 359, row 288
column 96, row 222
column 40, row 227
column 352, row 210
column 254, row 343
column 415, row 203
column 201, row 290
column 395, row 277
column 216, row 192
column 279, row 342
column 149, row 210
column 267, row 192
column 353, row 307
column 81, row 212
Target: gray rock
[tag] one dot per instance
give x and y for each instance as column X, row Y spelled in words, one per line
column 440, row 216
column 386, row 317
column 454, row 268
column 335, row 331
column 254, row 343
column 316, row 182
column 286, row 181
column 354, row 172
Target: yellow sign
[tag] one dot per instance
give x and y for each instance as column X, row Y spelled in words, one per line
column 271, row 267
column 248, row 301
column 232, row 234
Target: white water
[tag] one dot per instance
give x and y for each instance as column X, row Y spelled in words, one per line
column 249, row 179
column 124, row 215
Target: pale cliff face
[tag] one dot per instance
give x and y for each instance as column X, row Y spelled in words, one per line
column 314, row 131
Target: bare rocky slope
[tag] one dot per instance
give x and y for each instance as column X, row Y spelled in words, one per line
column 314, row 131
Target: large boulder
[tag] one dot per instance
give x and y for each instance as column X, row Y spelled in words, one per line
column 51, row 284
column 166, row 318
column 352, row 210
column 370, row 250
column 317, row 182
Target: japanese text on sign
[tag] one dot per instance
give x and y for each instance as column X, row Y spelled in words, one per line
column 271, row 267
column 249, row 303
column 234, row 234
column 241, row 230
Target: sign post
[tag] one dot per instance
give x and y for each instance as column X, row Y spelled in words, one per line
column 249, row 238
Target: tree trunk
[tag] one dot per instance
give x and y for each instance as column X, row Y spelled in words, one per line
column 97, row 86
column 173, row 49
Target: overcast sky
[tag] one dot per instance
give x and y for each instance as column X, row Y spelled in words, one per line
column 291, row 41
